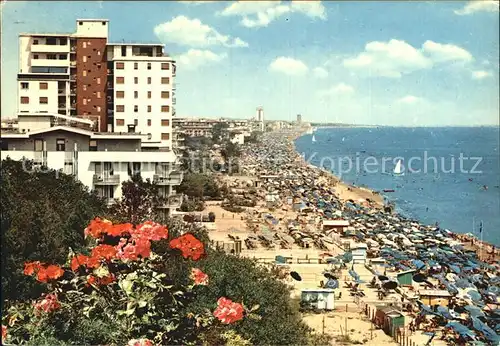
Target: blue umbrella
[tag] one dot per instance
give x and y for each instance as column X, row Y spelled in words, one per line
column 474, row 311
column 489, row 333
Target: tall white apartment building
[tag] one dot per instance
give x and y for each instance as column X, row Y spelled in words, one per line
column 140, row 81
column 121, row 87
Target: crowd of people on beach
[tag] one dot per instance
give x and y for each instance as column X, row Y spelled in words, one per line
column 444, row 259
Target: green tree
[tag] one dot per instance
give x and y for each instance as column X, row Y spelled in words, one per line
column 198, row 186
column 43, row 213
column 219, row 132
column 230, row 150
column 139, row 202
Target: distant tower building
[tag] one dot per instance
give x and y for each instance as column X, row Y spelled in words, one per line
column 260, row 118
column 299, row 118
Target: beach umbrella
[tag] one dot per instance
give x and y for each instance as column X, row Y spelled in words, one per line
column 474, row 295
column 383, row 278
column 295, row 276
column 474, row 311
column 390, row 285
column 332, row 284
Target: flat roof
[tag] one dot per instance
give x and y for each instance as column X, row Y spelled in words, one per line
column 93, row 135
column 435, row 293
column 134, row 44
column 92, row 20
column 63, row 34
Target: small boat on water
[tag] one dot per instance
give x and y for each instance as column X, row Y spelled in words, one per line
column 398, row 170
column 388, row 190
column 313, row 139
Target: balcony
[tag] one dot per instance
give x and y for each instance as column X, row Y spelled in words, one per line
column 48, row 48
column 106, row 179
column 170, row 179
column 61, row 106
column 49, row 62
column 172, row 201
column 61, row 91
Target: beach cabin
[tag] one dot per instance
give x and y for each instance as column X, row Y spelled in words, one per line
column 406, row 277
column 318, row 298
column 389, row 319
column 335, row 225
column 435, row 297
column 358, row 251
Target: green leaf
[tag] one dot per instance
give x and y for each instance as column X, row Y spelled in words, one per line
column 126, row 286
column 255, row 308
column 142, row 303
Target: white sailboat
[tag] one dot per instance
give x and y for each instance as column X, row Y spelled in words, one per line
column 398, row 170
column 313, row 139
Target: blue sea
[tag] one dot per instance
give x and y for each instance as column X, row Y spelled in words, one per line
column 450, row 175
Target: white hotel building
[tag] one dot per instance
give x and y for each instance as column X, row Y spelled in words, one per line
column 97, row 110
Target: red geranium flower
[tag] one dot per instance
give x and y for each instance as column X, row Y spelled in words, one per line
column 31, row 268
column 189, row 246
column 119, row 230
column 199, row 277
column 4, row 333
column 104, row 251
column 150, row 230
column 47, row 304
column 227, row 311
column 77, row 261
column 140, row 342
column 133, row 249
column 93, row 262
column 97, row 227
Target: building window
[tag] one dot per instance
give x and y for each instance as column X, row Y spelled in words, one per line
column 35, row 56
column 120, row 80
column 35, row 41
column 124, row 50
column 136, row 66
column 149, row 66
column 134, row 168
column 51, row 56
column 149, row 122
column 44, row 100
column 149, row 80
column 84, row 44
column 84, row 59
column 165, row 94
column 165, row 109
column 120, row 108
column 165, row 80
column 136, row 108
column 165, row 122
column 60, row 144
column 103, row 23
column 44, row 85
column 165, row 136
column 93, row 145
column 84, row 87
column 62, row 56
column 165, row 66
column 25, row 100
column 84, row 73
column 136, row 80
column 120, row 94
column 149, row 94
column 149, row 109
column 98, row 108
column 136, row 94
column 98, row 94
column 84, row 102
column 98, row 80
column 120, row 65
column 25, row 86
column 120, row 122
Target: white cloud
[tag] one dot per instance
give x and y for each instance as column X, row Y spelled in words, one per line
column 394, row 58
column 320, row 72
column 192, row 32
column 409, row 99
column 478, row 6
column 480, row 74
column 445, row 52
column 255, row 14
column 339, row 89
column 289, row 66
column 195, row 58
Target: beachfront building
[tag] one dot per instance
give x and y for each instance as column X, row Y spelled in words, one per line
column 120, row 87
column 100, row 160
column 435, row 297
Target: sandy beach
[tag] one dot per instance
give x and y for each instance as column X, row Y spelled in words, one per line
column 275, row 169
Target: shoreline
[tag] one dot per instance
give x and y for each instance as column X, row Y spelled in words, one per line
column 362, row 193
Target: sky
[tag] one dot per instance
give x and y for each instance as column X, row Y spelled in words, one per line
column 429, row 63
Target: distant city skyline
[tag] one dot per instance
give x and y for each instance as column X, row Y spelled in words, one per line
column 388, row 63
